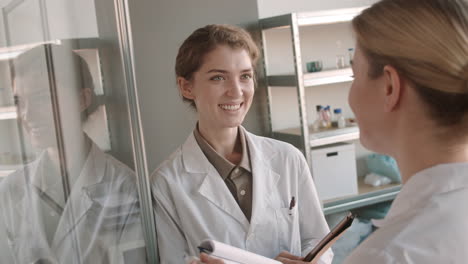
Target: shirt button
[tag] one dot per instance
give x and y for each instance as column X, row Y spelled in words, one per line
column 242, row 192
column 236, row 170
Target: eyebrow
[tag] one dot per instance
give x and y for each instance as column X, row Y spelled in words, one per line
column 224, row 71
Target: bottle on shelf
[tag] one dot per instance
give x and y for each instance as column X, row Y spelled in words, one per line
column 326, row 116
column 318, row 118
column 340, row 58
column 350, row 56
column 339, row 120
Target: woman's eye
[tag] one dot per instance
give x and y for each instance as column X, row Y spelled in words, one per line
column 217, row 78
column 246, row 76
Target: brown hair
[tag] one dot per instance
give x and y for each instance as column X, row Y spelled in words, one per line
column 204, row 40
column 427, row 42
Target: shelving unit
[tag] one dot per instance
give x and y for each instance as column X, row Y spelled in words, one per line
column 7, row 112
column 314, row 78
column 303, row 136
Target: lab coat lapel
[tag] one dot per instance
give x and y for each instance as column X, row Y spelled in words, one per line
column 264, row 178
column 25, row 226
column 212, row 187
column 22, row 194
column 79, row 202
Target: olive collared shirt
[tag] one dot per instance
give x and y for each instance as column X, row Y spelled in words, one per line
column 238, row 178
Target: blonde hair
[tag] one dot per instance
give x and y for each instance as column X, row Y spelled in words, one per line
column 427, row 42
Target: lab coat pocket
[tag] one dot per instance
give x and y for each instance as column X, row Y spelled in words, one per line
column 288, row 230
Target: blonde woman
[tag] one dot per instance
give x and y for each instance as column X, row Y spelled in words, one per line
column 410, row 98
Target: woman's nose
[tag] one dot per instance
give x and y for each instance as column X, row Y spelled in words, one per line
column 235, row 89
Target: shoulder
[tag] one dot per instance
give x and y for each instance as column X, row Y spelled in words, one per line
column 414, row 236
column 16, row 180
column 370, row 255
column 117, row 166
column 274, row 146
column 171, row 167
column 13, row 183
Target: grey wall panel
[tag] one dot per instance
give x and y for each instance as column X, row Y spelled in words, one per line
column 159, row 27
column 113, row 82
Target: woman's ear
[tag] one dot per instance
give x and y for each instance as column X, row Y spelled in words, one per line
column 393, row 88
column 86, row 96
column 185, row 88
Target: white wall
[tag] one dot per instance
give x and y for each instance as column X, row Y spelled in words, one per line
column 267, row 8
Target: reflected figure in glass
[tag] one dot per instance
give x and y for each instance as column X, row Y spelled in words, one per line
column 73, row 203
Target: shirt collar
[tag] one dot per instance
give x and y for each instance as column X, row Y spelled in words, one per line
column 422, row 186
column 222, row 165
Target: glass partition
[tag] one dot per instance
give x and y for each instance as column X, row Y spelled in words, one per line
column 73, row 177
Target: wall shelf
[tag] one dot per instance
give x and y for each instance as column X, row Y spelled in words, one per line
column 311, row 18
column 321, row 138
column 8, row 112
column 313, row 78
column 367, row 195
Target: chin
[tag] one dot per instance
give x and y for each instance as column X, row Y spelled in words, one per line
column 373, row 144
column 233, row 123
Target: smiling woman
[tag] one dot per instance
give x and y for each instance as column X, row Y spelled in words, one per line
column 225, row 183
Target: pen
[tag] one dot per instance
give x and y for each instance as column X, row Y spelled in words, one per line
column 292, row 203
column 204, row 250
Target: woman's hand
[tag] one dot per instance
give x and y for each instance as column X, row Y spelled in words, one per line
column 205, row 259
column 287, row 258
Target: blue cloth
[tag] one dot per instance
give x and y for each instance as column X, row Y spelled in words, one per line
column 384, row 165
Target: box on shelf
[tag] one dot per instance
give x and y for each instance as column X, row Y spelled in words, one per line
column 334, row 170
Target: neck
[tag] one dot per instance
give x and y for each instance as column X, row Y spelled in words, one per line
column 225, row 141
column 76, row 153
column 422, row 151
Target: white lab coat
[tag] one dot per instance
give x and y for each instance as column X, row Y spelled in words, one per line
column 193, row 203
column 427, row 223
column 99, row 221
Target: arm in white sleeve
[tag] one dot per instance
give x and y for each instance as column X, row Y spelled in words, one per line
column 172, row 244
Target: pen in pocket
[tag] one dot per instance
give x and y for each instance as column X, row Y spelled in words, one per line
column 292, row 204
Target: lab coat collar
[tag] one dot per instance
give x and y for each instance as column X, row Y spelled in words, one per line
column 264, row 178
column 21, row 191
column 78, row 204
column 422, row 186
column 193, row 159
column 215, row 190
column 79, row 201
column 212, row 187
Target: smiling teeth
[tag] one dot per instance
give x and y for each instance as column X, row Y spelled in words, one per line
column 230, row 107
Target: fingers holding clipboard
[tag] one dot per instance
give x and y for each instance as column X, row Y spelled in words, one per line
column 329, row 239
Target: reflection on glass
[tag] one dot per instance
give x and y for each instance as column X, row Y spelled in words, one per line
column 72, row 203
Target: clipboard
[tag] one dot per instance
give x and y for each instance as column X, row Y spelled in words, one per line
column 233, row 255
column 330, row 238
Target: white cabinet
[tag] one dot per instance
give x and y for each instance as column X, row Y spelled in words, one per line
column 293, row 92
